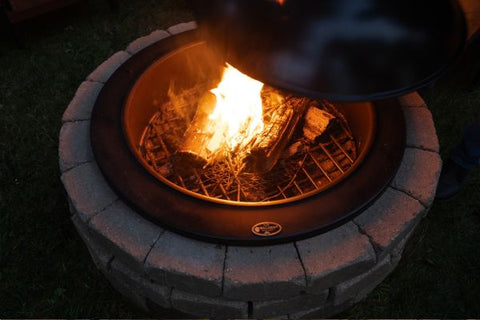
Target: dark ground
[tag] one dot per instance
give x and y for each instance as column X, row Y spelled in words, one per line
column 45, row 270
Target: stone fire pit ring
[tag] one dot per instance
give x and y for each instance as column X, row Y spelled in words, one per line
column 319, row 276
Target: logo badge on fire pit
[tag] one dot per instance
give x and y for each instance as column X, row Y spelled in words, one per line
column 266, row 229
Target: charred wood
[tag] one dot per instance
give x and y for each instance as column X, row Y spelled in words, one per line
column 316, row 123
column 267, row 148
column 193, row 152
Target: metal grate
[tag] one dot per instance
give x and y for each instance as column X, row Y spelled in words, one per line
column 310, row 171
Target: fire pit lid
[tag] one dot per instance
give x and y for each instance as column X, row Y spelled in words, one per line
column 341, row 50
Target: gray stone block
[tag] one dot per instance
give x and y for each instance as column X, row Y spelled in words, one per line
column 87, row 189
column 277, row 308
column 80, row 108
column 188, row 265
column 390, row 219
column 411, row 100
column 358, row 288
column 127, row 289
column 138, row 284
column 182, row 27
column 335, row 256
column 146, row 41
column 128, row 235
column 418, row 174
column 100, row 255
column 420, row 129
column 208, row 307
column 108, row 67
column 263, row 273
column 74, row 144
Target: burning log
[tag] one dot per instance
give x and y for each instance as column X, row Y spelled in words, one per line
column 267, row 147
column 226, row 124
column 194, row 152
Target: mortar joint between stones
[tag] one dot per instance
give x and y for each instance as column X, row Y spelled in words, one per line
column 421, row 148
column 301, row 263
column 152, row 245
column 108, row 266
column 89, row 219
column 410, row 195
column 376, row 249
column 223, row 269
column 76, row 166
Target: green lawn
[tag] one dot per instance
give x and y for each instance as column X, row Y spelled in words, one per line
column 46, row 271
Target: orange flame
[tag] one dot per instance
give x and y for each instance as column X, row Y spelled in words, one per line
column 238, row 113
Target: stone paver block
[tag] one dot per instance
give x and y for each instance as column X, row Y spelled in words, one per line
column 188, row 265
column 128, row 235
column 108, row 67
column 277, row 308
column 335, row 256
column 80, row 108
column 139, row 284
column 146, row 41
column 74, row 144
column 88, row 191
column 182, row 27
column 263, row 273
column 418, row 174
column 411, row 100
column 358, row 288
column 208, row 307
column 100, row 255
column 420, row 129
column 390, row 219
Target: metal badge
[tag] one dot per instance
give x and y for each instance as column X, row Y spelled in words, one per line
column 266, row 229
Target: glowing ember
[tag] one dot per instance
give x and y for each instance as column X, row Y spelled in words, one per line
column 237, row 117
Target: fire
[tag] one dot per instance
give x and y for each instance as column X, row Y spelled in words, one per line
column 238, row 115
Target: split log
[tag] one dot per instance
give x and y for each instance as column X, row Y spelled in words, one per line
column 193, row 152
column 316, row 123
column 267, row 147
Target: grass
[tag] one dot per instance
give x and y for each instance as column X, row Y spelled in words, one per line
column 45, row 270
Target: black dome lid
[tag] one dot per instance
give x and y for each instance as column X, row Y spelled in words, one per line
column 344, row 50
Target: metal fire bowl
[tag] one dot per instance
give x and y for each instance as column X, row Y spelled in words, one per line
column 186, row 59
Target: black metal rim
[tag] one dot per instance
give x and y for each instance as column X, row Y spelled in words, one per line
column 222, row 223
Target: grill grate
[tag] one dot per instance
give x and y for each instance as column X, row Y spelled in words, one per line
column 310, row 171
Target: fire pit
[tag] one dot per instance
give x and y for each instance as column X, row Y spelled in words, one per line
column 168, row 133
column 359, row 241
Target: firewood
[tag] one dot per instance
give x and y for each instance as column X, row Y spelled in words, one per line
column 193, row 152
column 316, row 123
column 267, row 147
column 294, row 148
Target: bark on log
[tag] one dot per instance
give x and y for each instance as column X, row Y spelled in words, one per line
column 267, row 148
column 316, row 123
column 193, row 153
